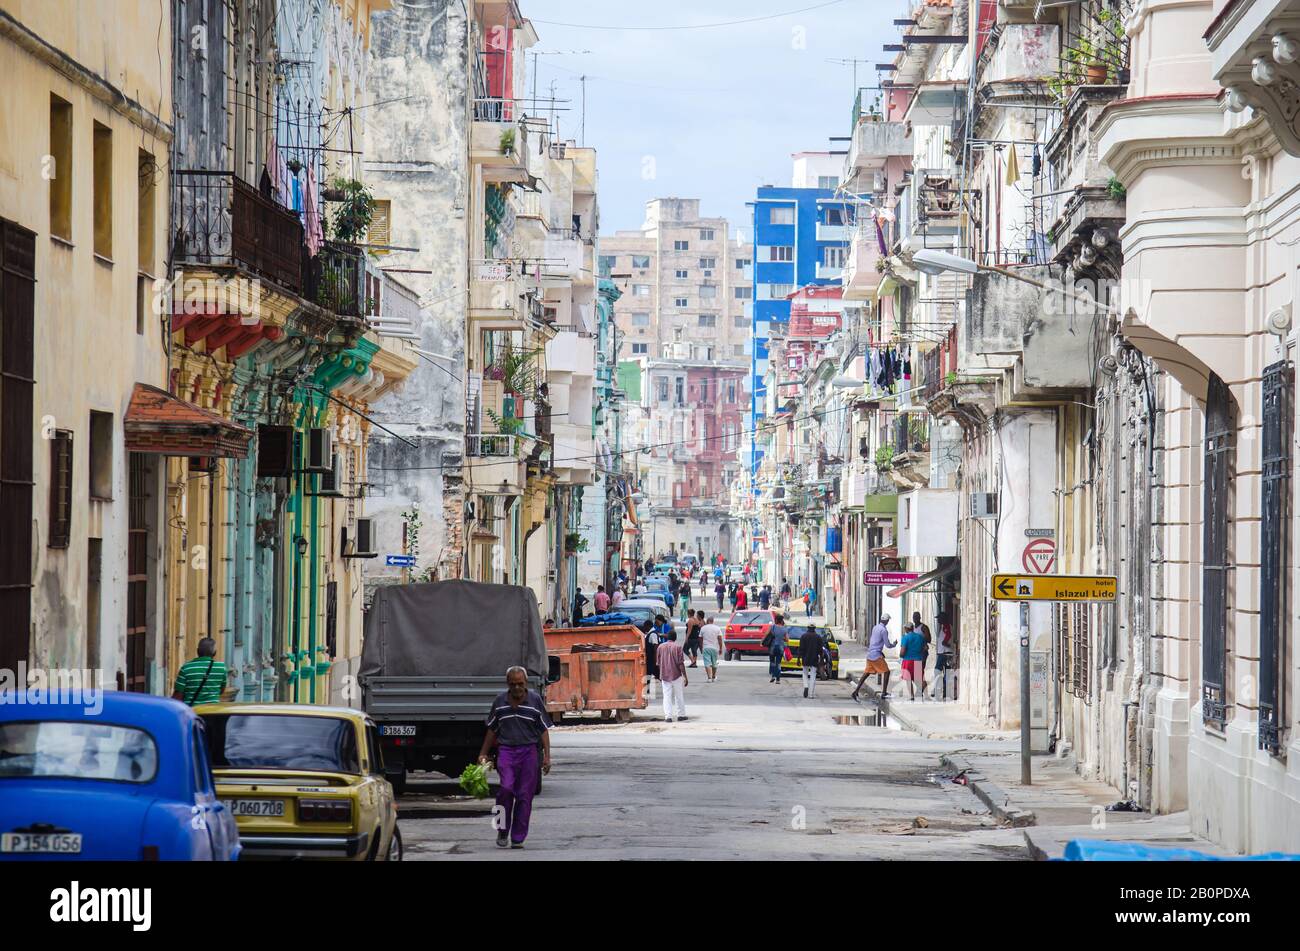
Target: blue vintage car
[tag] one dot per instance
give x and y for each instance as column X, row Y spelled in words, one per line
column 124, row 781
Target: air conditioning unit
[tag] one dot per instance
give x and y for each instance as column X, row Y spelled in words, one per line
column 984, row 505
column 363, row 546
column 331, row 482
column 878, row 182
column 320, row 451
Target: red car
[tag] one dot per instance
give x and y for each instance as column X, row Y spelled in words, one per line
column 745, row 633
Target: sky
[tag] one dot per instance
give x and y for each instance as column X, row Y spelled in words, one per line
column 709, row 112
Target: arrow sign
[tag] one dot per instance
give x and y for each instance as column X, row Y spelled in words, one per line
column 1054, row 587
column 1005, row 587
column 400, row 561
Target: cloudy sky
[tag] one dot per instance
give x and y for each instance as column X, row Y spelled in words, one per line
column 711, row 111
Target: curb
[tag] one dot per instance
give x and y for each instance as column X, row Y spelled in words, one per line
column 993, row 796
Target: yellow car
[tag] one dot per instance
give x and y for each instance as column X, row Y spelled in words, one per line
column 303, row 782
column 829, row 668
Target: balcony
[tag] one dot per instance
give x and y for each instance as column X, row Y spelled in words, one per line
column 829, row 232
column 1243, row 32
column 829, row 272
column 574, row 454
column 571, row 352
column 336, row 280
column 873, row 143
column 861, row 271
column 222, row 221
column 1026, row 53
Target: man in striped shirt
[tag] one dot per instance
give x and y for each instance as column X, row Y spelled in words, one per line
column 516, row 725
column 202, row 679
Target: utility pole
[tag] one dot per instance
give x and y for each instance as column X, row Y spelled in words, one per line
column 582, row 128
column 1026, row 774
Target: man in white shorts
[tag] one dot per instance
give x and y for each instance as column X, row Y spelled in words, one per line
column 711, row 637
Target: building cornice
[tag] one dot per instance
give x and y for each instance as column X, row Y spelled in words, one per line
column 1135, row 134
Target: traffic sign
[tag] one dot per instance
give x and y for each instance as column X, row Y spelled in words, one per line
column 1054, row 588
column 1039, row 557
column 400, row 561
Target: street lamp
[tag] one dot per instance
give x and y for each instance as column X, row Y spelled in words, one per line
column 933, row 262
column 846, row 382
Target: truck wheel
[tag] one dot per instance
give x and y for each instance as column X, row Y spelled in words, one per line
column 623, row 716
column 395, row 846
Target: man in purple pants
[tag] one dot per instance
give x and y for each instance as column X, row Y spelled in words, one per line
column 517, row 724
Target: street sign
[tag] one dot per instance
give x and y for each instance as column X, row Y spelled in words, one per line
column 1040, row 533
column 1054, row 588
column 888, row 579
column 1039, row 557
column 400, row 561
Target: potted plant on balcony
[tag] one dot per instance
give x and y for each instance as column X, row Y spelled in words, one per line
column 574, row 543
column 885, row 458
column 356, row 206
column 507, row 142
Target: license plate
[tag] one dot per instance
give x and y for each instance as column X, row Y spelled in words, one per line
column 257, row 807
column 40, row 842
column 404, row 730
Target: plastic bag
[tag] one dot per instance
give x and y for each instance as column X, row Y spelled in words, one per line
column 473, row 779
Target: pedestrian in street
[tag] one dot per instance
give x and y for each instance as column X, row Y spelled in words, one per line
column 876, row 663
column 809, row 599
column 580, row 600
column 714, row 647
column 650, row 636
column 765, row 597
column 672, row 674
column 924, row 630
column 777, row 640
column 742, row 599
column 620, row 595
column 517, row 725
column 785, row 591
column 704, row 583
column 943, row 655
column 912, row 654
column 640, row 588
column 202, row 679
column 601, row 600
column 731, row 595
column 694, row 622
column 810, row 655
column 684, row 601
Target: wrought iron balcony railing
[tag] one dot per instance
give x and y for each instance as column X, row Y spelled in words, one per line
column 222, row 221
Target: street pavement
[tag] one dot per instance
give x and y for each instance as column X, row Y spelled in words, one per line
column 755, row 772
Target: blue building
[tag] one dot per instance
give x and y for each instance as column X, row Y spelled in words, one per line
column 801, row 236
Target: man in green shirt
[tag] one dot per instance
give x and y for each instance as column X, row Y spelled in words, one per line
column 202, row 679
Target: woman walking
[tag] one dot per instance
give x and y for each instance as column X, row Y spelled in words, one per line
column 912, row 654
column 779, row 640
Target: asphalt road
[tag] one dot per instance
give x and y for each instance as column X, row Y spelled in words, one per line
column 756, row 772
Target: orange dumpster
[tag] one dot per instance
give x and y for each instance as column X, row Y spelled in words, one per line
column 608, row 677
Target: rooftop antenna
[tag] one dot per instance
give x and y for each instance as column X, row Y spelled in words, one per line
column 854, row 63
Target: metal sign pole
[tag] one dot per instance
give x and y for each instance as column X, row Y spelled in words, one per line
column 1025, row 773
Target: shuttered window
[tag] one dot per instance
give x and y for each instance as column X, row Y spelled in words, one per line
column 380, row 231
column 61, row 488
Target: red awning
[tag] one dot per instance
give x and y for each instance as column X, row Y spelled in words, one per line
column 162, row 424
column 932, row 576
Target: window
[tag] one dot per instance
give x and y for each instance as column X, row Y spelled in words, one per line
column 681, row 245
column 780, row 252
column 742, row 263
column 681, row 302
column 66, row 748
column 744, row 293
column 102, row 194
column 61, row 488
column 681, row 274
column 708, row 264
column 680, row 393
column 640, row 348
column 1278, row 431
column 708, row 320
column 641, row 261
column 706, row 234
column 708, row 291
column 380, row 230
column 61, row 170
column 1220, row 426
column 835, row 216
column 833, row 257
column 731, row 391
column 662, row 484
column 738, row 349
column 779, row 291
column 146, row 171
column 740, row 321
column 640, row 290
column 828, row 182
column 661, row 386
column 101, row 455
column 641, row 319
column 781, row 215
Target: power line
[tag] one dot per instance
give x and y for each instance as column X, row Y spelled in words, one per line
column 693, row 26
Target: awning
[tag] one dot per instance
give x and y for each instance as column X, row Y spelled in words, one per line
column 157, row 422
column 932, row 577
column 889, row 551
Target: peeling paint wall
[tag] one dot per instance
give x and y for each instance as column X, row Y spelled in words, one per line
column 417, row 159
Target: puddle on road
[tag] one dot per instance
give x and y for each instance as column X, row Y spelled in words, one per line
column 876, row 719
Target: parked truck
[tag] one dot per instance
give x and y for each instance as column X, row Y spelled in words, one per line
column 434, row 657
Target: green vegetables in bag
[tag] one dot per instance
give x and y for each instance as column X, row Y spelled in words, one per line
column 474, row 781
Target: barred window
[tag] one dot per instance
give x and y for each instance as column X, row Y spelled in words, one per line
column 61, row 488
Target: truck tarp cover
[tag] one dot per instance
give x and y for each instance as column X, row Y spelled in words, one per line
column 453, row 629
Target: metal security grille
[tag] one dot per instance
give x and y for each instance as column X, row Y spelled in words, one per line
column 332, row 618
column 1220, row 427
column 137, row 578
column 1275, row 544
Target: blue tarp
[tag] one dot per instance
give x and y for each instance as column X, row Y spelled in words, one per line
column 1091, row 850
column 599, row 620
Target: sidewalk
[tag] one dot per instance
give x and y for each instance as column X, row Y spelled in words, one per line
column 1057, row 807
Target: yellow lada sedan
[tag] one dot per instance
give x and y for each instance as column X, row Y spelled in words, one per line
column 303, row 782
